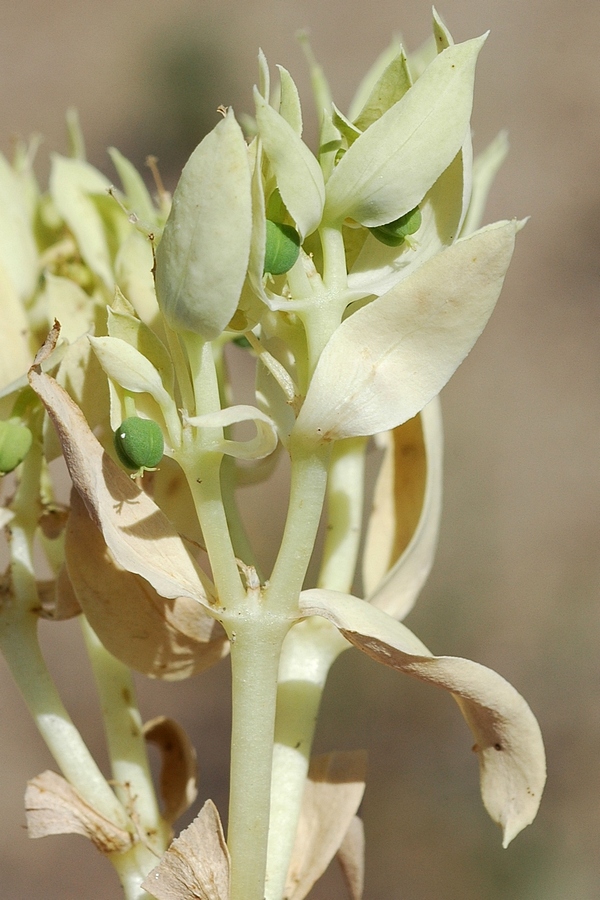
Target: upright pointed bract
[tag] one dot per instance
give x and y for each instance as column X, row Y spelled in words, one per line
column 202, row 257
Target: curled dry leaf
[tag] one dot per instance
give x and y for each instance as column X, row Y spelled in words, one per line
column 162, row 638
column 140, row 537
column 53, row 806
column 179, row 771
column 404, row 524
column 58, row 599
column 196, row 865
column 508, row 741
column 333, row 792
column 351, row 857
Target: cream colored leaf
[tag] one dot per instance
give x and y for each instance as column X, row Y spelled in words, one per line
column 53, row 806
column 202, row 257
column 257, row 447
column 137, row 197
column 333, row 792
column 196, row 865
column 404, row 524
column 393, row 84
column 169, row 639
column 508, row 741
column 130, row 368
column 131, row 329
column 378, row 268
column 66, row 301
column 179, row 770
column 139, row 536
column 298, row 174
column 81, row 375
column 485, row 169
column 72, row 184
column 392, row 356
column 351, row 857
column 390, row 167
column 133, row 271
column 18, row 253
column 16, row 354
column 289, row 104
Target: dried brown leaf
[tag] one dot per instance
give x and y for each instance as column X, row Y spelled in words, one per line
column 196, row 865
column 351, row 857
column 397, row 499
column 333, row 792
column 58, row 599
column 49, row 344
column 508, row 741
column 179, row 771
column 53, row 806
column 139, row 535
column 403, row 527
column 170, row 639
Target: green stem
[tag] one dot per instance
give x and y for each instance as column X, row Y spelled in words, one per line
column 19, row 644
column 208, row 500
column 202, row 467
column 307, row 493
column 309, row 650
column 256, row 644
column 132, row 868
column 257, row 631
column 335, row 275
column 18, row 641
column 345, row 495
column 126, row 744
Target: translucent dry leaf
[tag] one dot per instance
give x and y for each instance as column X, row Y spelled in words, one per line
column 332, row 795
column 196, row 865
column 169, row 639
column 58, row 598
column 179, row 769
column 53, row 806
column 140, row 537
column 351, row 857
column 404, row 524
column 508, row 741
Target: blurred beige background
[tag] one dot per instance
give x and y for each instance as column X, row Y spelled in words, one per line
column 516, row 580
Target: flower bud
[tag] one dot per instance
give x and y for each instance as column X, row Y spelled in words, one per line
column 139, row 443
column 394, row 233
column 282, row 248
column 15, row 441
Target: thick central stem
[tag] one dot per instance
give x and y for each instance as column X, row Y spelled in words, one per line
column 255, row 651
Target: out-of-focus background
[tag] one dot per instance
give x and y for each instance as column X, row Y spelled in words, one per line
column 516, row 583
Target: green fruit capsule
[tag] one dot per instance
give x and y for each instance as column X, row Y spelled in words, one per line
column 15, row 442
column 139, row 443
column 282, row 248
column 394, row 233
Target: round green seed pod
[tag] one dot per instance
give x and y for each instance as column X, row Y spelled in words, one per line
column 139, row 443
column 394, row 233
column 282, row 248
column 15, row 442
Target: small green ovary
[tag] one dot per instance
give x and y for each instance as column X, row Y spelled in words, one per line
column 15, row 443
column 139, row 443
column 394, row 233
column 282, row 248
